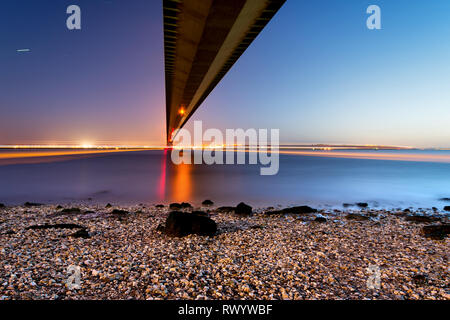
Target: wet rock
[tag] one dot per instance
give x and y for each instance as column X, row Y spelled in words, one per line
column 356, row 217
column 293, row 210
column 421, row 219
column 407, row 210
column 444, row 199
column 109, row 205
column 320, row 219
column 83, row 233
column 207, row 203
column 257, row 226
column 180, row 224
column 59, row 207
column 70, row 211
column 225, row 209
column 32, row 204
column 447, row 208
column 436, row 231
column 347, row 205
column 420, row 279
column 186, row 205
column 175, row 206
column 159, row 206
column 160, row 227
column 119, row 212
column 55, row 226
column 362, row 204
column 2, row 206
column 200, row 213
column 243, row 209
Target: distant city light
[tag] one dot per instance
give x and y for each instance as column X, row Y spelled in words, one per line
column 23, row 50
column 86, row 145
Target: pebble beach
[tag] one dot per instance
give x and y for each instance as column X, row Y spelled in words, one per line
column 122, row 253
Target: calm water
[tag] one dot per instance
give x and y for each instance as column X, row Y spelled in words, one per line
column 150, row 177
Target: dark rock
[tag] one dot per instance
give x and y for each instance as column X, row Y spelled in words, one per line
column 119, row 212
column 59, row 207
column 200, row 213
column 420, row 279
column 362, row 204
column 435, row 209
column 32, row 204
column 207, row 203
column 108, row 205
column 300, row 210
column 225, row 209
column 436, row 231
column 347, row 205
column 55, row 226
column 175, row 206
column 83, row 233
column 180, row 224
column 159, row 206
column 421, row 219
column 401, row 213
column 293, row 210
column 71, row 211
column 160, row 228
column 444, row 199
column 2, row 205
column 243, row 209
column 186, row 205
column 257, row 226
column 407, row 210
column 447, row 208
column 357, row 217
column 320, row 219
column 9, row 232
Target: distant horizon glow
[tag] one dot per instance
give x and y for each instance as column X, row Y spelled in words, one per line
column 33, row 156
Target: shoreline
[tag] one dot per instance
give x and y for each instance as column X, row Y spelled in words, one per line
column 124, row 254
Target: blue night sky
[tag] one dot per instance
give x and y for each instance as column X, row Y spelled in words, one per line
column 316, row 73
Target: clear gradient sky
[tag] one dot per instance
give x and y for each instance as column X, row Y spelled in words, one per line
column 316, row 72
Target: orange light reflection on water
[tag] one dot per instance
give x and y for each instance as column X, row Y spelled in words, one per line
column 181, row 183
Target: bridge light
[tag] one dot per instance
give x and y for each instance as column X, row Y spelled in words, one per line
column 181, row 111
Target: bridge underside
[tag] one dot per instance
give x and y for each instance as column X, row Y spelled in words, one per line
column 202, row 41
